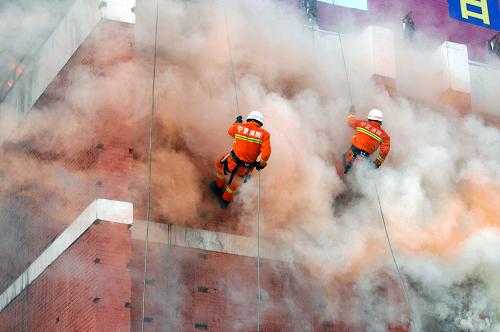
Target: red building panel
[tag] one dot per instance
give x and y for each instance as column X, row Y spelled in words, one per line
column 62, row 174
column 195, row 290
column 430, row 16
column 88, row 288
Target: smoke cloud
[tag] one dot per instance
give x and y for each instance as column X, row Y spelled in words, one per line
column 438, row 189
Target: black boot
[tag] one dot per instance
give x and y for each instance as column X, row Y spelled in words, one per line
column 218, row 191
column 223, row 203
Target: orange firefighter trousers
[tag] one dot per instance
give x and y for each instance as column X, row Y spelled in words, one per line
column 238, row 178
column 347, row 161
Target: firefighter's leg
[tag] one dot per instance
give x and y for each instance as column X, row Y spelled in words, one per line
column 344, row 164
column 348, row 160
column 220, row 178
column 228, row 194
column 339, row 167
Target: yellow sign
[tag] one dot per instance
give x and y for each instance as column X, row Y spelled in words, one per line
column 481, row 6
column 485, row 13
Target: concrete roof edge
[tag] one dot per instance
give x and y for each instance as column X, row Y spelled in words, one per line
column 99, row 209
column 226, row 243
column 45, row 64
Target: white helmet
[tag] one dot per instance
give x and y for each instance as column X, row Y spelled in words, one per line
column 376, row 115
column 257, row 116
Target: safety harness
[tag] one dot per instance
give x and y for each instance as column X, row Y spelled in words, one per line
column 239, row 163
column 359, row 152
column 356, row 152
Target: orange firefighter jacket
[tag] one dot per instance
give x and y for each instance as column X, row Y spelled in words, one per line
column 250, row 141
column 369, row 136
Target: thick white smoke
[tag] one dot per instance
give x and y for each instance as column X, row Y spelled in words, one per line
column 438, row 188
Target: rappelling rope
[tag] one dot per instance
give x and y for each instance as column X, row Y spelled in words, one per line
column 259, row 295
column 150, row 150
column 345, row 68
column 400, row 275
column 344, row 61
column 235, row 87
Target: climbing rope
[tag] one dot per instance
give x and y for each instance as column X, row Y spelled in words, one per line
column 400, row 275
column 235, row 87
column 345, row 68
column 349, row 92
column 150, row 150
column 259, row 295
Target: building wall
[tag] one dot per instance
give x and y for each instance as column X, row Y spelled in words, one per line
column 430, row 16
column 194, row 290
column 485, row 90
column 60, row 179
column 44, row 66
column 187, row 289
column 87, row 289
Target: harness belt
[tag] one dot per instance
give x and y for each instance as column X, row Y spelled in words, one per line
column 239, row 163
column 356, row 152
column 359, row 152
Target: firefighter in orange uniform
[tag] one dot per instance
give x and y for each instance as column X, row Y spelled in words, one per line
column 369, row 137
column 250, row 141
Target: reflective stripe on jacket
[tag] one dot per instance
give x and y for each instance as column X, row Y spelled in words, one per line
column 250, row 141
column 369, row 136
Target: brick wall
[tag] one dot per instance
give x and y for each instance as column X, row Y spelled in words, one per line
column 115, row 125
column 59, row 179
column 196, row 290
column 88, row 288
column 187, row 289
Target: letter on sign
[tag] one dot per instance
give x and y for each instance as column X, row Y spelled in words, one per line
column 481, row 7
column 485, row 13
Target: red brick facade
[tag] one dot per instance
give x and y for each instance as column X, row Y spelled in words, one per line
column 60, row 180
column 195, row 290
column 92, row 287
column 88, row 288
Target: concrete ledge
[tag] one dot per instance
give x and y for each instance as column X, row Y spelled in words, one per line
column 484, row 88
column 114, row 211
column 453, row 60
column 118, row 10
column 379, row 44
column 76, row 25
column 206, row 240
column 100, row 209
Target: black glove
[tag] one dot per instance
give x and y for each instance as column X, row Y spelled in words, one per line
column 239, row 119
column 259, row 166
column 352, row 109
